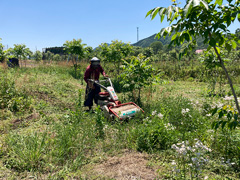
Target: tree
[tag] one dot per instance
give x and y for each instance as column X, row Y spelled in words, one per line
column 89, row 52
column 49, row 56
column 76, row 50
column 156, row 46
column 38, row 56
column 137, row 73
column 1, row 52
column 115, row 52
column 208, row 19
column 21, row 52
column 56, row 57
column 148, row 51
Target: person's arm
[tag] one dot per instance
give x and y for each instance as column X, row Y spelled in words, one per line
column 102, row 71
column 87, row 74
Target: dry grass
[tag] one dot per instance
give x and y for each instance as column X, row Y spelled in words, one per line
column 127, row 165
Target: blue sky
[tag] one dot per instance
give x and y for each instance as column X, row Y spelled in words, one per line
column 49, row 23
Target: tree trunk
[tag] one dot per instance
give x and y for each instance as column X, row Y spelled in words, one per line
column 229, row 79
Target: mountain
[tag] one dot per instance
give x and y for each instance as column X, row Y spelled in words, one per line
column 147, row 41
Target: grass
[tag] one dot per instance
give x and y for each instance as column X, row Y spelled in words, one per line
column 46, row 134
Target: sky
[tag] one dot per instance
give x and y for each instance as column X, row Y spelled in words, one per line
column 49, row 23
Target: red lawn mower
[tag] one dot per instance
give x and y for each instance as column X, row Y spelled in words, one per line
column 111, row 106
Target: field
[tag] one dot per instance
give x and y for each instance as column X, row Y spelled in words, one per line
column 47, row 134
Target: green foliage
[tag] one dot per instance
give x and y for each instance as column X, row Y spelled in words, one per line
column 137, row 73
column 1, row 52
column 148, row 51
column 202, row 18
column 99, row 123
column 226, row 116
column 56, row 57
column 20, row 51
column 156, row 46
column 11, row 98
column 75, row 47
column 115, row 52
column 37, row 56
column 26, row 152
column 155, row 133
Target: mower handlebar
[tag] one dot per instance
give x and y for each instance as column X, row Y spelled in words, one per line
column 98, row 82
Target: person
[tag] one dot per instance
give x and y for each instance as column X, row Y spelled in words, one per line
column 92, row 72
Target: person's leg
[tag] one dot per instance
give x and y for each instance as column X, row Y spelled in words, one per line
column 97, row 91
column 89, row 95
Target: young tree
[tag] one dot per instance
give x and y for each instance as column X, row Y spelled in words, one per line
column 115, row 52
column 76, row 49
column 156, row 46
column 21, row 52
column 137, row 73
column 56, row 57
column 207, row 18
column 38, row 56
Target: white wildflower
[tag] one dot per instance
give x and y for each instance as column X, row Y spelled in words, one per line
column 154, row 113
column 160, row 115
column 174, row 147
column 228, row 98
column 184, row 111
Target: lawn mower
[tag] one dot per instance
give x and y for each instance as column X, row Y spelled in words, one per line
column 111, row 106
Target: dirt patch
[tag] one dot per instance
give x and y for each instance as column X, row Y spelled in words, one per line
column 17, row 122
column 131, row 165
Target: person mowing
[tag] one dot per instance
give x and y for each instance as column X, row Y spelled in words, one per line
column 92, row 72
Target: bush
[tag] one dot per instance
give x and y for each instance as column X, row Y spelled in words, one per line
column 155, row 134
column 10, row 97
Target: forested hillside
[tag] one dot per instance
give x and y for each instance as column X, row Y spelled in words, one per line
column 146, row 42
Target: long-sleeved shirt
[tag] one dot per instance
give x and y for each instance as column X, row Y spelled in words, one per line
column 92, row 73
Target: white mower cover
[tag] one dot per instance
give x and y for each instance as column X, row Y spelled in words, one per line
column 112, row 93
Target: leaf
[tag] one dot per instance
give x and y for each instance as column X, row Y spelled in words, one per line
column 149, row 12
column 187, row 8
column 219, row 2
column 235, row 117
column 196, row 3
column 170, row 11
column 214, row 111
column 220, row 115
column 155, row 12
column 162, row 13
column 187, row 36
column 174, row 37
column 218, row 50
column 229, row 116
column 223, row 124
column 239, row 17
column 212, row 42
column 228, row 47
column 205, row 4
column 234, row 44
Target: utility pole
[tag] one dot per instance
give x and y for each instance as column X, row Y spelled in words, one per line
column 137, row 34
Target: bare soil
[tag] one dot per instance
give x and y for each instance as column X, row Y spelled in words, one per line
column 130, row 165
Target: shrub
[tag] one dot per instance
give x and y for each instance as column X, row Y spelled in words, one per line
column 10, row 97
